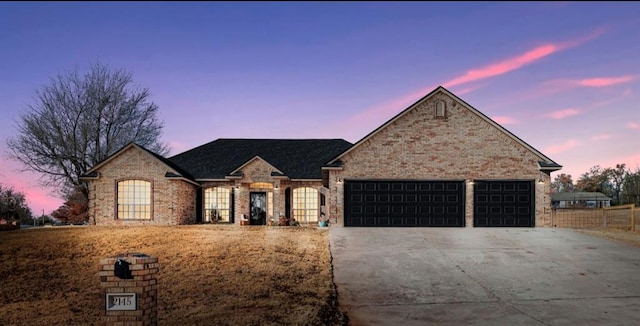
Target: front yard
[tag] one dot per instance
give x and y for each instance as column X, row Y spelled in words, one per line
column 209, row 274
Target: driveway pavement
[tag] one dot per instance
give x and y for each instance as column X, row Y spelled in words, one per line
column 488, row 276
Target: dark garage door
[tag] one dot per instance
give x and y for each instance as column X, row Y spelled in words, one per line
column 503, row 203
column 403, row 203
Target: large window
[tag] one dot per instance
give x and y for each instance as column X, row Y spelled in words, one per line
column 305, row 204
column 217, row 204
column 134, row 199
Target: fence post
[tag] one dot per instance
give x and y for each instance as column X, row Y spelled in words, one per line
column 604, row 218
column 633, row 218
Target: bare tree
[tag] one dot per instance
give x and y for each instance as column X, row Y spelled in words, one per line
column 563, row 183
column 596, row 179
column 616, row 176
column 631, row 188
column 78, row 120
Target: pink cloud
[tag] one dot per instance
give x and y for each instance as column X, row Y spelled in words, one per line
column 566, row 84
column 519, row 61
column 555, row 149
column 375, row 115
column 605, row 81
column 561, row 114
column 504, row 66
column 600, row 137
column 504, row 120
column 633, row 125
column 467, row 90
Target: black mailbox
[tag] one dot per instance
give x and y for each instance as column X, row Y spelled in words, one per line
column 121, row 269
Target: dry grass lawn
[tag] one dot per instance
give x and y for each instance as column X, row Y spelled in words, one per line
column 209, row 274
column 625, row 236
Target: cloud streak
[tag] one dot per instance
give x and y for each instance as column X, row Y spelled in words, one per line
column 569, row 144
column 600, row 137
column 379, row 113
column 596, row 82
column 561, row 114
column 504, row 120
column 519, row 61
column 504, row 66
column 605, row 81
column 633, row 125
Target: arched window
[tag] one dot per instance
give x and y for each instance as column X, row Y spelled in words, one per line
column 305, row 204
column 134, row 200
column 217, row 204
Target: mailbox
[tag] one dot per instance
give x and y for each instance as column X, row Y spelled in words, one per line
column 121, row 269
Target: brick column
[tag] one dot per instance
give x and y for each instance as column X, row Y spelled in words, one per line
column 133, row 299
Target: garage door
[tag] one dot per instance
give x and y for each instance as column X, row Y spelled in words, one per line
column 403, row 203
column 503, row 203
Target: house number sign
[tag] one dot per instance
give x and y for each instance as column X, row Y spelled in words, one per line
column 121, row 301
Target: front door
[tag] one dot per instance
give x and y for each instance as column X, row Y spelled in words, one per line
column 258, row 203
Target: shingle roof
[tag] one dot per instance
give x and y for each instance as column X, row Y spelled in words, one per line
column 295, row 158
column 577, row 196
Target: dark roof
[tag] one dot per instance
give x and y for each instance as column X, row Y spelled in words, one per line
column 295, row 158
column 549, row 165
column 578, row 196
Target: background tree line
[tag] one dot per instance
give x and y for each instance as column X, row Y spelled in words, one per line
column 13, row 206
column 619, row 183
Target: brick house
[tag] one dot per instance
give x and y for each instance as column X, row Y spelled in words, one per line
column 440, row 162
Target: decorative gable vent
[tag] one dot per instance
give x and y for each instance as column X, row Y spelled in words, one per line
column 441, row 109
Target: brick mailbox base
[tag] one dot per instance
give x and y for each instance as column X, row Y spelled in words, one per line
column 129, row 297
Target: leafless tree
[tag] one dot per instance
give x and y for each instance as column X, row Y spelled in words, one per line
column 563, row 183
column 616, row 176
column 78, row 120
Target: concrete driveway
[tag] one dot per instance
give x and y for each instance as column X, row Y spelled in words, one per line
column 501, row 276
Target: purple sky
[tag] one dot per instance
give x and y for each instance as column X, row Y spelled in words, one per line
column 563, row 76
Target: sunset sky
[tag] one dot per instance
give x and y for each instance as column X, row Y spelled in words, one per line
column 562, row 76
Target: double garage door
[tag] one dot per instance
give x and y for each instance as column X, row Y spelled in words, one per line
column 436, row 203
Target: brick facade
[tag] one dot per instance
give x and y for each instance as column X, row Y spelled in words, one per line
column 256, row 172
column 173, row 200
column 460, row 146
column 142, row 283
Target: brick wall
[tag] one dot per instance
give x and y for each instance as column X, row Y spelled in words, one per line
column 173, row 200
column 255, row 171
column 143, row 283
column 459, row 147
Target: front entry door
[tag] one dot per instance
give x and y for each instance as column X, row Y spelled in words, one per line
column 258, row 202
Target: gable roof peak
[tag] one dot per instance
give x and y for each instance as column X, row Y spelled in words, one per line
column 550, row 165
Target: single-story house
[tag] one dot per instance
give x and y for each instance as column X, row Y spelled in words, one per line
column 439, row 162
column 580, row 200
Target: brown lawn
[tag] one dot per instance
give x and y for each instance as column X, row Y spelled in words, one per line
column 209, row 274
column 625, row 236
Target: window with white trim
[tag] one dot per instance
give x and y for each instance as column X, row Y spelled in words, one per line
column 134, row 200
